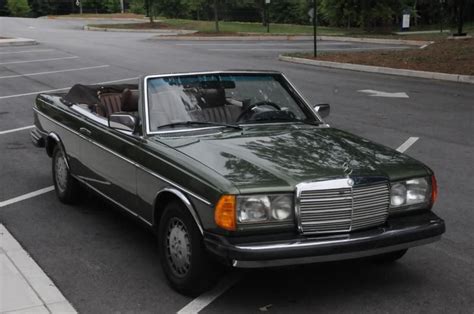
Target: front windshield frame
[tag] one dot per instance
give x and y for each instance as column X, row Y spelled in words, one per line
column 289, row 87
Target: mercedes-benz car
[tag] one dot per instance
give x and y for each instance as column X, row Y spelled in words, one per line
column 236, row 168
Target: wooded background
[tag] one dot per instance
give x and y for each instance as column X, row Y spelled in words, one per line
column 368, row 14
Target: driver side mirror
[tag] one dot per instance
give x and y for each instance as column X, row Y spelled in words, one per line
column 123, row 121
column 323, row 110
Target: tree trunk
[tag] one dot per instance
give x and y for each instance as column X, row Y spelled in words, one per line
column 461, row 17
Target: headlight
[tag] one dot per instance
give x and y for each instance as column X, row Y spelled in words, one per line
column 410, row 194
column 264, row 208
column 254, row 211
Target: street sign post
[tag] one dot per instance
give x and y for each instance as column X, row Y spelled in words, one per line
column 267, row 13
column 313, row 17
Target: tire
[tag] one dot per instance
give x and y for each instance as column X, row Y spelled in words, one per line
column 186, row 264
column 389, row 258
column 67, row 188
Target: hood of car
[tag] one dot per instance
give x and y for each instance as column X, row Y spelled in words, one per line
column 266, row 159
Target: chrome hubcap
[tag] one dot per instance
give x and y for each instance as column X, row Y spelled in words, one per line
column 60, row 168
column 178, row 247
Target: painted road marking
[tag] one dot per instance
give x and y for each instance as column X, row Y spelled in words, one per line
column 409, row 142
column 39, row 60
column 376, row 93
column 29, row 290
column 25, row 51
column 52, row 72
column 65, row 88
column 208, row 297
column 17, row 129
column 26, row 196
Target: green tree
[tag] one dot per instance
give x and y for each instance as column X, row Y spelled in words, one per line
column 39, row 7
column 112, row 6
column 137, row 6
column 18, row 7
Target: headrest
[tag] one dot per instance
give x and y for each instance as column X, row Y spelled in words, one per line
column 130, row 100
column 213, row 97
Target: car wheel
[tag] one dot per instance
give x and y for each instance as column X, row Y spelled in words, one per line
column 390, row 257
column 186, row 264
column 67, row 188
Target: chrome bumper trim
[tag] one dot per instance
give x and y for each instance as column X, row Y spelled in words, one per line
column 323, row 258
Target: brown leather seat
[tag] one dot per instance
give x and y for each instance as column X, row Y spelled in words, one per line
column 215, row 108
column 130, row 100
column 109, row 103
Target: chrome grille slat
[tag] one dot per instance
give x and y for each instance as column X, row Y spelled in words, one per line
column 342, row 209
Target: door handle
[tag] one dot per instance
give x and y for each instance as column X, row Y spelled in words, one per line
column 85, row 131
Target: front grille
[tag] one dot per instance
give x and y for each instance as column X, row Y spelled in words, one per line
column 341, row 209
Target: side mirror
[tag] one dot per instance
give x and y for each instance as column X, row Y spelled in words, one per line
column 123, row 121
column 323, row 110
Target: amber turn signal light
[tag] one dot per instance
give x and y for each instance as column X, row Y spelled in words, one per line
column 224, row 214
column 434, row 189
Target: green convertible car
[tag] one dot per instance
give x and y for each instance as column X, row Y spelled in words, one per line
column 235, row 167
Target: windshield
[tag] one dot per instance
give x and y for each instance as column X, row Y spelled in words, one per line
column 221, row 100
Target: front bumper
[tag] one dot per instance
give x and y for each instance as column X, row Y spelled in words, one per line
column 37, row 137
column 397, row 234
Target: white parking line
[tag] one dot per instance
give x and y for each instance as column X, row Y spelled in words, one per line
column 39, row 60
column 26, row 196
column 207, row 298
column 25, row 51
column 65, row 88
column 52, row 72
column 17, row 129
column 409, row 142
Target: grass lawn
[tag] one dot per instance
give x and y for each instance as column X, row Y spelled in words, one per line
column 100, row 16
column 445, row 56
column 239, row 28
column 227, row 28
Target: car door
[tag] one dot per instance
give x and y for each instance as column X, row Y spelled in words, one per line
column 107, row 156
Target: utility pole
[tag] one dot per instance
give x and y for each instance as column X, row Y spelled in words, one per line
column 216, row 16
column 315, row 37
column 267, row 13
column 121, row 7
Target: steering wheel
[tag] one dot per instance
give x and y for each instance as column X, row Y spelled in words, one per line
column 255, row 105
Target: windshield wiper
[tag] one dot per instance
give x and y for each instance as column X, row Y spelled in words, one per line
column 285, row 120
column 186, row 123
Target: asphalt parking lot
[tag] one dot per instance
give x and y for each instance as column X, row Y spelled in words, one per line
column 103, row 261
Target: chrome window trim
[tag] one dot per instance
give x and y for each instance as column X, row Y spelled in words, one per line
column 145, row 91
column 185, row 201
column 205, row 201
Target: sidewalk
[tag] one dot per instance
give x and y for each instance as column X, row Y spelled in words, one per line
column 24, row 287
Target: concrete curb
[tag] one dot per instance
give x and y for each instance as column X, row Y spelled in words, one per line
column 382, row 70
column 17, row 42
column 162, row 32
column 299, row 37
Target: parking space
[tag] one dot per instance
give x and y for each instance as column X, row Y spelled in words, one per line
column 103, row 261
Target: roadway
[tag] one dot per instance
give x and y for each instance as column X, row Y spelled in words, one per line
column 103, row 261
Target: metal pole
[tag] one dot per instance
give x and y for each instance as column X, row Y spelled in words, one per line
column 315, row 30
column 216, row 16
column 268, row 17
column 121, row 6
